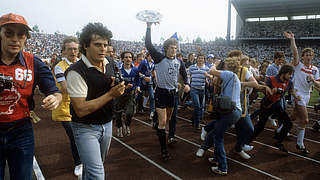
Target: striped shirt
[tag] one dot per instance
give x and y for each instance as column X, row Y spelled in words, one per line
column 198, row 78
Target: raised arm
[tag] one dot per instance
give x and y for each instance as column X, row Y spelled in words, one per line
column 156, row 56
column 293, row 47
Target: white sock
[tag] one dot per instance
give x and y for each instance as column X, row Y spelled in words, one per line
column 300, row 136
column 279, row 129
column 145, row 101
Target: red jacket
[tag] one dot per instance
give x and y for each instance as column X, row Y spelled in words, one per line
column 14, row 101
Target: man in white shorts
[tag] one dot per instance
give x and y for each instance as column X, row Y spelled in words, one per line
column 305, row 76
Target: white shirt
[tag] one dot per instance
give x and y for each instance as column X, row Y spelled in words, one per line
column 300, row 77
column 77, row 86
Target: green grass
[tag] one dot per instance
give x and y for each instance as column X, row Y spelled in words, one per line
column 314, row 99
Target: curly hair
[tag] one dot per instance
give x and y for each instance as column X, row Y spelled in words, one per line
column 234, row 53
column 93, row 29
column 169, row 42
column 232, row 64
column 243, row 59
column 287, row 68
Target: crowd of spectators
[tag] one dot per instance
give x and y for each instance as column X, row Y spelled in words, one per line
column 274, row 29
column 47, row 45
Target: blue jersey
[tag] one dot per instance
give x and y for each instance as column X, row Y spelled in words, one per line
column 131, row 78
column 146, row 69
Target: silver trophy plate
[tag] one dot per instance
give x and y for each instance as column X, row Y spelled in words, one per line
column 149, row 16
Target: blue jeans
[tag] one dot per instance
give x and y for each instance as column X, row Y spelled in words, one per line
column 173, row 120
column 220, row 127
column 151, row 99
column 93, row 142
column 197, row 96
column 74, row 150
column 244, row 131
column 17, row 147
column 149, row 88
column 209, row 138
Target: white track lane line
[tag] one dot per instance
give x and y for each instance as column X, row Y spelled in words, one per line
column 307, row 139
column 37, row 170
column 197, row 145
column 147, row 159
column 292, row 153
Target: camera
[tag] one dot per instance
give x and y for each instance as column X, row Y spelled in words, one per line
column 279, row 91
column 5, row 82
column 118, row 79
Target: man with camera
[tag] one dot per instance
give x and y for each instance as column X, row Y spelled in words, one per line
column 20, row 73
column 91, row 89
column 279, row 84
column 126, row 103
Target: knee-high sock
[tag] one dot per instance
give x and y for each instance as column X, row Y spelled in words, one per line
column 162, row 139
column 300, row 136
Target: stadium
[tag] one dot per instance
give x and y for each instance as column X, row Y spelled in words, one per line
column 259, row 34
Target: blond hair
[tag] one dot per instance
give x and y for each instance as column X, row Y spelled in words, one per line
column 307, row 50
column 232, row 64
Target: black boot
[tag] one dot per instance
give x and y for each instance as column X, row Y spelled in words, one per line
column 163, row 144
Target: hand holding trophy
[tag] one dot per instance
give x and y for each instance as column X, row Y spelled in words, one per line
column 149, row 16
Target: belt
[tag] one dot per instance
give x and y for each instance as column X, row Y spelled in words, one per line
column 168, row 90
column 4, row 128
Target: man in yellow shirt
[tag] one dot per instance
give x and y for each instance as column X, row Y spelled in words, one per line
column 70, row 50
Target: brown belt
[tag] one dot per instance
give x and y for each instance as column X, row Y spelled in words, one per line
column 5, row 128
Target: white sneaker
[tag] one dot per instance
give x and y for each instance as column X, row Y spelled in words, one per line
column 151, row 115
column 200, row 152
column 244, row 155
column 203, row 134
column 247, row 147
column 273, row 121
column 78, row 170
column 119, row 132
column 124, row 127
column 128, row 131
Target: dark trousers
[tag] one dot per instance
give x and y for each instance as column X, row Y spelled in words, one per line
column 124, row 104
column 173, row 120
column 279, row 111
column 74, row 150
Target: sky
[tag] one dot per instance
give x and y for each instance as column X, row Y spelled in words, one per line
column 206, row 19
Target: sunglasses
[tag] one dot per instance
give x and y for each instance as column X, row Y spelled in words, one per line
column 10, row 33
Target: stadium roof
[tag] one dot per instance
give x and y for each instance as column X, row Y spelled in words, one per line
column 275, row 8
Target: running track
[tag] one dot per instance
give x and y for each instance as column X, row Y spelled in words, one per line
column 138, row 156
